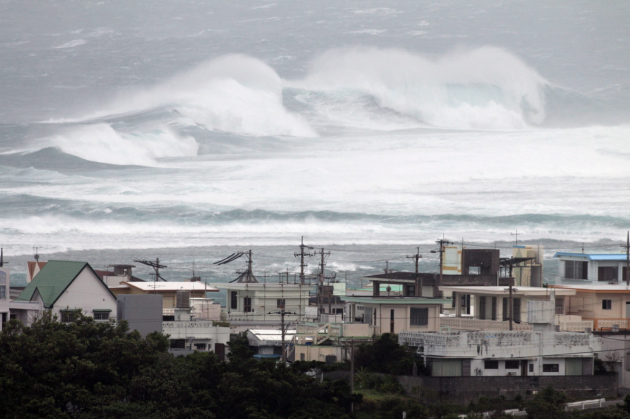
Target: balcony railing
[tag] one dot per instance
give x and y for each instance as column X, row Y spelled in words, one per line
column 463, row 323
column 607, row 324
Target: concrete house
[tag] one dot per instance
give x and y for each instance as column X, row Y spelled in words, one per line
column 67, row 288
column 539, row 352
column 591, row 268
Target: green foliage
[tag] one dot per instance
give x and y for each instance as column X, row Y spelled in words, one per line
column 547, row 404
column 220, row 323
column 95, row 370
column 386, row 356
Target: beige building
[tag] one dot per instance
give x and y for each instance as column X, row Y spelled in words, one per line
column 605, row 305
column 168, row 290
column 327, row 342
column 399, row 314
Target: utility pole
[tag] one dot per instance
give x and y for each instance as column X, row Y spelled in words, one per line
column 516, row 235
column 320, row 286
column 627, row 246
column 301, row 255
column 441, row 242
column 2, row 261
column 283, row 330
column 155, row 265
column 352, row 372
column 416, row 258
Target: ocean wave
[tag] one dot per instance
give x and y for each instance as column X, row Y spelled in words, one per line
column 102, row 143
column 483, row 88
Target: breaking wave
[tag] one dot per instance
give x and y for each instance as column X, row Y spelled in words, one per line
column 101, row 143
column 484, row 88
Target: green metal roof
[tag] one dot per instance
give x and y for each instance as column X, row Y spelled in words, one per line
column 54, row 278
column 394, row 300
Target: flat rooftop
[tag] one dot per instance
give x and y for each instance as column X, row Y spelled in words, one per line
column 620, row 257
column 170, row 286
column 516, row 290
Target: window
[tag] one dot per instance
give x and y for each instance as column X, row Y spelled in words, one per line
column 606, row 304
column 233, row 300
column 516, row 309
column 68, row 316
column 474, row 270
column 531, row 367
column 168, row 318
column 178, row 343
column 101, row 315
column 3, row 292
column 302, row 357
column 411, row 290
column 280, row 303
column 511, row 365
column 247, row 305
column 491, row 365
column 551, row 367
column 575, row 269
column 200, row 346
column 12, row 316
column 607, row 273
column 419, row 316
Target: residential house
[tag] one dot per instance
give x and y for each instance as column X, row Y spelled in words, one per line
column 67, row 288
column 492, row 307
column 267, row 343
column 202, row 306
column 327, row 342
column 261, row 302
column 538, row 352
column 398, row 314
column 591, row 268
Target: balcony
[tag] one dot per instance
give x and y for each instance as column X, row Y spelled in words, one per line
column 465, row 323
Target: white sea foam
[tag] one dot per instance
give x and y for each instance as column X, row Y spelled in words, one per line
column 483, row 88
column 72, row 44
column 233, row 93
column 101, row 143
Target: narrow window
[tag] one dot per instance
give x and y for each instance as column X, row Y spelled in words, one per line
column 280, row 303
column 234, row 300
column 302, row 357
column 247, row 305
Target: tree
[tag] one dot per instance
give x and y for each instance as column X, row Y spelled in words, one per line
column 547, row 404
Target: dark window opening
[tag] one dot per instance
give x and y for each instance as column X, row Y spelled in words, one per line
column 607, row 273
column 419, row 317
column 531, row 367
column 575, row 269
column 168, row 318
column 247, row 305
column 101, row 315
column 280, row 303
column 551, row 367
column 233, row 300
column 511, row 365
column 69, row 315
column 516, row 309
column 178, row 343
column 491, row 365
column 606, row 304
column 200, row 346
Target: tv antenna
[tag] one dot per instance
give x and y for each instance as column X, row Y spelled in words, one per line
column 155, row 265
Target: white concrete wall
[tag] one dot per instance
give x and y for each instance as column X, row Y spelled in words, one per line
column 87, row 293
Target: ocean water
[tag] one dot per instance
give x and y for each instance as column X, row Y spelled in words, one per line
column 186, row 130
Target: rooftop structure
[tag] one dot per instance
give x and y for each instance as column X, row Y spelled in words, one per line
column 593, row 268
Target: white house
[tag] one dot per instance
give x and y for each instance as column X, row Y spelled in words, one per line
column 541, row 351
column 66, row 288
column 259, row 301
column 591, row 268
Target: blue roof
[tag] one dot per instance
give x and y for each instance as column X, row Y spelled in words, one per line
column 594, row 256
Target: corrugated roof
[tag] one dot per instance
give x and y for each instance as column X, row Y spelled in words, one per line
column 594, row 256
column 53, row 280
